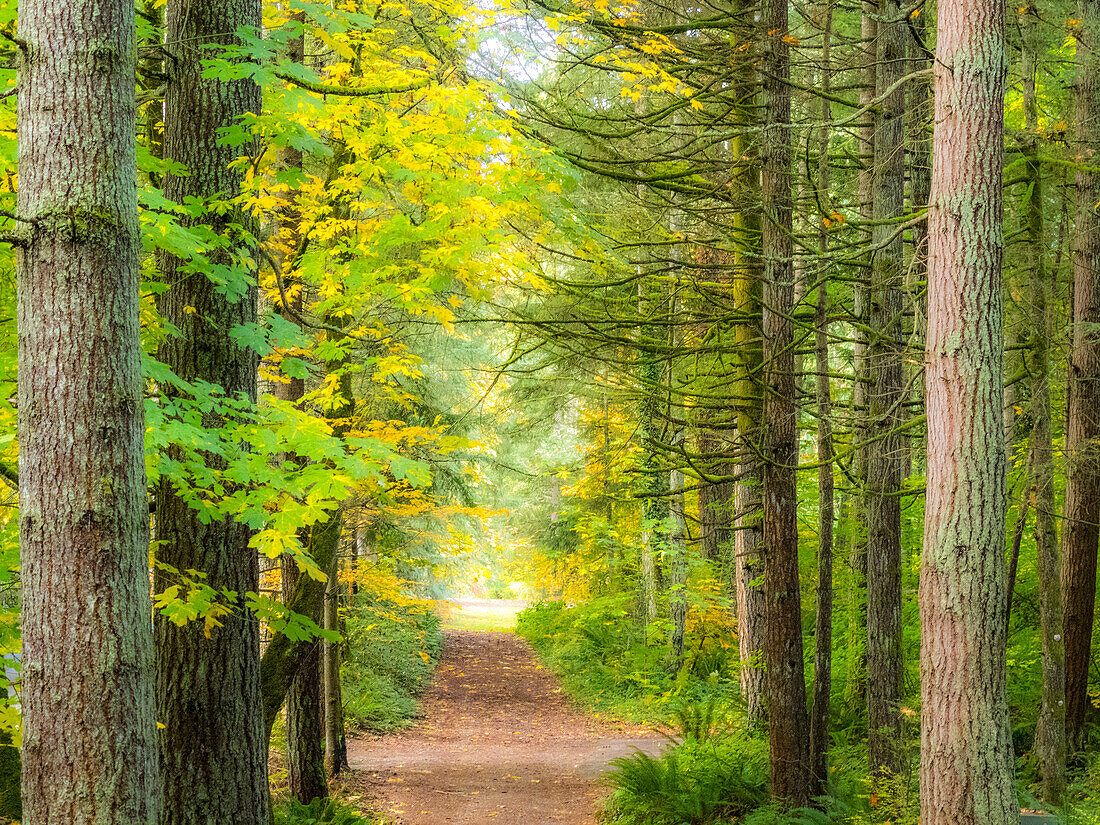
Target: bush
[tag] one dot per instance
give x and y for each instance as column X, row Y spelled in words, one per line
column 393, row 645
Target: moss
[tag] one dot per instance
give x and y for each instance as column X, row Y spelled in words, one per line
column 82, row 224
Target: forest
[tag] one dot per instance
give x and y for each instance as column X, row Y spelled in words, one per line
column 743, row 355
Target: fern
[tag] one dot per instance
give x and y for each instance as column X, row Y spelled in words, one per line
column 320, row 812
column 694, row 783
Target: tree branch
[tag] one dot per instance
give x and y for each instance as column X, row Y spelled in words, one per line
column 349, row 91
column 9, row 473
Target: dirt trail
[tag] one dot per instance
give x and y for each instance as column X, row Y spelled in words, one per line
column 499, row 743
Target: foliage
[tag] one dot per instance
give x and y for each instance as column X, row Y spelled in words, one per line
column 610, row 663
column 393, row 643
column 321, row 812
column 697, row 782
column 1082, row 805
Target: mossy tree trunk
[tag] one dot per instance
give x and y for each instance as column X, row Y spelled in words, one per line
column 214, row 754
column 89, row 733
column 1050, row 730
column 966, row 766
column 885, row 414
column 747, row 384
column 1082, row 503
column 823, row 621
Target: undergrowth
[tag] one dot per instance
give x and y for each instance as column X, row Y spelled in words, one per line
column 393, row 642
column 617, row 668
column 322, row 812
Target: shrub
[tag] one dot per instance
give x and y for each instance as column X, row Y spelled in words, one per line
column 616, row 665
column 393, row 645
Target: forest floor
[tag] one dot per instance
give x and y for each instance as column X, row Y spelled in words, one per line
column 499, row 743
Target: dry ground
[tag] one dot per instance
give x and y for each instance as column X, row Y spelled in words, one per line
column 499, row 744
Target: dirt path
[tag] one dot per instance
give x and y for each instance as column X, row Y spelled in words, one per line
column 499, row 743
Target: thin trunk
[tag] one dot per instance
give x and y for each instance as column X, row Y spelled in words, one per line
column 304, row 754
column 678, row 569
column 823, row 623
column 1017, row 540
column 1082, row 505
column 89, row 734
column 677, row 548
column 885, row 460
column 336, row 743
column 966, row 766
column 788, row 725
column 1050, row 731
column 654, row 481
column 747, row 385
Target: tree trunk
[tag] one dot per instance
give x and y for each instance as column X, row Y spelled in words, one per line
column 823, row 623
column 654, row 482
column 1082, row 505
column 678, row 569
column 336, row 744
column 885, row 364
column 305, row 749
column 1050, row 731
column 966, row 766
column 747, row 386
column 89, row 733
column 788, row 725
column 214, row 754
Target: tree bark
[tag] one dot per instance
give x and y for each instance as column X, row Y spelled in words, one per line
column 966, row 767
column 214, row 755
column 885, row 364
column 788, row 725
column 305, row 749
column 89, row 733
column 336, row 744
column 1082, row 504
column 1050, row 731
column 747, row 384
column 823, row 622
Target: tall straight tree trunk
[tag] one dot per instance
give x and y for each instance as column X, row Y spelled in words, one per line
column 855, row 689
column 823, row 622
column 788, row 725
column 677, row 547
column 89, row 733
column 966, row 766
column 649, row 409
column 1050, row 731
column 1082, row 505
column 653, row 480
column 214, row 752
column 677, row 569
column 885, row 364
column 304, row 717
column 748, row 389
